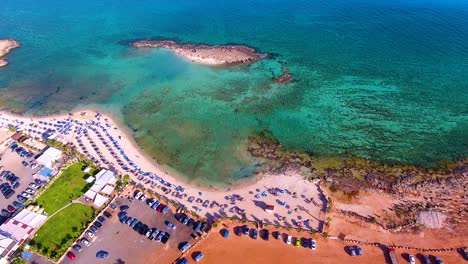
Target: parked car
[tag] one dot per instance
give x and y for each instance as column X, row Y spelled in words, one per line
column 277, row 235
column 185, row 221
column 89, row 233
column 305, row 242
column 298, row 242
column 313, row 244
column 154, row 234
column 97, row 224
column 359, row 250
column 160, row 235
column 246, row 230
column 352, row 252
column 159, row 208
column 17, row 205
column 113, row 206
column 93, row 228
column 165, row 209
column 184, row 247
column 26, row 195
column 101, row 219
column 254, row 233
column 102, row 254
column 288, row 240
column 170, row 225
column 165, row 238
column 70, row 255
column 155, row 204
column 142, row 198
column 138, row 195
column 426, row 259
column 85, row 242
column 77, row 247
column 21, row 199
column 124, row 208
column 11, row 208
column 439, row 260
column 24, row 163
column 183, row 261
column 107, row 214
column 198, row 257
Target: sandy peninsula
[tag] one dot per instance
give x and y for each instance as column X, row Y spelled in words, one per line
column 204, row 54
column 6, row 45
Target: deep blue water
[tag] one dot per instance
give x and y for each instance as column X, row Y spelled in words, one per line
column 383, row 80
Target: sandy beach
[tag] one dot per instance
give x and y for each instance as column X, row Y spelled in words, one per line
column 300, row 204
column 6, row 45
column 204, row 54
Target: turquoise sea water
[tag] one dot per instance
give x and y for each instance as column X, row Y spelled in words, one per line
column 383, row 80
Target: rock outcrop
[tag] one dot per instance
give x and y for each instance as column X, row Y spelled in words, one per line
column 204, row 54
column 6, row 45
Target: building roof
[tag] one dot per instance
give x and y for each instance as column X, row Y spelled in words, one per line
column 108, row 189
column 100, row 200
column 16, row 230
column 90, row 194
column 49, row 156
column 30, row 218
column 6, row 244
column 103, row 178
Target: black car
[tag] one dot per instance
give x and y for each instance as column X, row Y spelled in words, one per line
column 97, row 224
column 6, row 213
column 38, row 182
column 124, row 208
column 93, row 228
column 137, row 225
column 165, row 238
column 107, row 214
column 77, row 247
column 190, row 222
column 24, row 163
column 123, row 219
column 143, row 229
column 9, row 193
column 16, row 185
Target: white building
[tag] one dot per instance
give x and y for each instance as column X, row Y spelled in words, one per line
column 49, row 156
column 16, row 230
column 102, row 187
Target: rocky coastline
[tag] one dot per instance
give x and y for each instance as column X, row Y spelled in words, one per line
column 422, row 194
column 223, row 55
column 6, row 45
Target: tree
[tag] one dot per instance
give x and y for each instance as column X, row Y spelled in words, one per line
column 18, row 260
column 325, row 234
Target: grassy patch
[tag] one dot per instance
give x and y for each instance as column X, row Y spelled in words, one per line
column 68, row 187
column 60, row 231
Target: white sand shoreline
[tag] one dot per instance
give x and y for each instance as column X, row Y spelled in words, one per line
column 291, row 181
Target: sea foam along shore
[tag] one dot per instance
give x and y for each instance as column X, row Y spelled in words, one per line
column 204, row 54
column 245, row 201
column 6, row 45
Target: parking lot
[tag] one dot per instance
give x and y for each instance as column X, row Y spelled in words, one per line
column 11, row 161
column 124, row 244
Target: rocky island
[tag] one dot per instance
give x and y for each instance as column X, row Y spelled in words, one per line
column 6, row 45
column 204, row 54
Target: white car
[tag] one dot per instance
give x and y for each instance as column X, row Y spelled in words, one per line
column 411, row 259
column 143, row 198
column 138, row 195
column 89, row 233
column 288, row 241
column 25, row 194
column 313, row 244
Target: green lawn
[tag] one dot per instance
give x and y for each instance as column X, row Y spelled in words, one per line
column 68, row 187
column 60, row 231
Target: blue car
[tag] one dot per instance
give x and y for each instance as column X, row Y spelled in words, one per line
column 199, row 256
column 359, row 250
column 255, row 234
column 101, row 219
column 352, row 252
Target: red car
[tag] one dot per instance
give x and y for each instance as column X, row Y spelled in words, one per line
column 70, row 255
column 160, row 207
column 11, row 208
